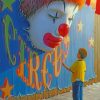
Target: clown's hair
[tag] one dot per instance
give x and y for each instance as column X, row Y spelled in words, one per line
column 29, row 7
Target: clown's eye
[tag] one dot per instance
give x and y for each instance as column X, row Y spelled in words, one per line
column 54, row 17
column 55, row 14
column 70, row 19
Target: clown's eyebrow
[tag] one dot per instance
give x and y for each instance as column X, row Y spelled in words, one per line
column 64, row 5
column 75, row 8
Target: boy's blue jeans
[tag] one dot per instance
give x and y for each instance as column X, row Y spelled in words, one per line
column 77, row 88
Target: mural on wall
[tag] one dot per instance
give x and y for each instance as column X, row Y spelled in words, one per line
column 36, row 36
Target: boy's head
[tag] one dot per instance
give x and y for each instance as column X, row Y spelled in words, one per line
column 82, row 53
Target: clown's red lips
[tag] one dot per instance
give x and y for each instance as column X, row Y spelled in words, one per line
column 52, row 41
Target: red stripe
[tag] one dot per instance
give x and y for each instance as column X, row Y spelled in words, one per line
column 98, row 7
column 88, row 2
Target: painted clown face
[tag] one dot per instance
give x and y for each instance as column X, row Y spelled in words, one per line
column 50, row 24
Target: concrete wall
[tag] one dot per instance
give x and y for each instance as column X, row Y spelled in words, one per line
column 97, row 46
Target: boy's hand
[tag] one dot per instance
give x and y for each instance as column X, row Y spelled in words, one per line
column 66, row 66
column 63, row 64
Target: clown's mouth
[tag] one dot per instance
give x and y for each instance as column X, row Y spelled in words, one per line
column 52, row 41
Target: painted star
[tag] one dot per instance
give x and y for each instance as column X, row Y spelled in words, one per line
column 91, row 42
column 6, row 89
column 7, row 4
column 80, row 26
column 93, row 4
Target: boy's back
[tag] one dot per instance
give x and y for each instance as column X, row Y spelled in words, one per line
column 78, row 70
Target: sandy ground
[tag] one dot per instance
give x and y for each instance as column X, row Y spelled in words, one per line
column 91, row 92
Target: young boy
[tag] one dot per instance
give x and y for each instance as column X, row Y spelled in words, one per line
column 78, row 70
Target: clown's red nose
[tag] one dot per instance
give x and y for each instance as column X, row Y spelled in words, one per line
column 63, row 29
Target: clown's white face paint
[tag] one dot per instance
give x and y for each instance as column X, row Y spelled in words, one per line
column 45, row 23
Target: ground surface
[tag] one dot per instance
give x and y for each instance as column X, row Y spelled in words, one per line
column 91, row 92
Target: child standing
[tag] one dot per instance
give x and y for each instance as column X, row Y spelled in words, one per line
column 78, row 70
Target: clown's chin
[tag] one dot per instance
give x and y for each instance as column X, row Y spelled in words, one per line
column 52, row 41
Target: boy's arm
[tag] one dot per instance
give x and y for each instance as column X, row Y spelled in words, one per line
column 66, row 67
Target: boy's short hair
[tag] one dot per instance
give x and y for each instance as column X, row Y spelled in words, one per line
column 83, row 53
